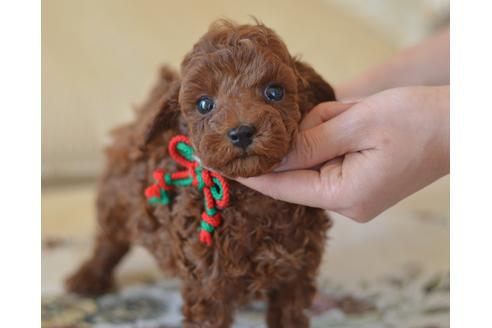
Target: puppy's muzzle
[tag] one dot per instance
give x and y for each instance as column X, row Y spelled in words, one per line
column 242, row 136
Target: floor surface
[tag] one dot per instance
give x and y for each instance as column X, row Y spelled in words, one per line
column 391, row 272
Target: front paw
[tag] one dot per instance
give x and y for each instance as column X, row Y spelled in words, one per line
column 88, row 281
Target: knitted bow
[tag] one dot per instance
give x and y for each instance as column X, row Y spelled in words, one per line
column 214, row 187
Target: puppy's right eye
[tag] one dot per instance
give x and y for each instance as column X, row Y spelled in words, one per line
column 205, row 105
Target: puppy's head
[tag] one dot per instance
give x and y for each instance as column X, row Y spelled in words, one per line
column 240, row 98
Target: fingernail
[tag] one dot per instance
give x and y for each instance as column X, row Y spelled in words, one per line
column 281, row 165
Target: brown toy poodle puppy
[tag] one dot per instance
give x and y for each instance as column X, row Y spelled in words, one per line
column 240, row 97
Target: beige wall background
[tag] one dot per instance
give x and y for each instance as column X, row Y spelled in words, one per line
column 100, row 57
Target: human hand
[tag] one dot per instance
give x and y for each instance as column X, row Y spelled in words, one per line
column 360, row 159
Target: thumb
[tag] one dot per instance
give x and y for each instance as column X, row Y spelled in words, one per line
column 324, row 142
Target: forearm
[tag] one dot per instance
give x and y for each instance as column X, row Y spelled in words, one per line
column 426, row 63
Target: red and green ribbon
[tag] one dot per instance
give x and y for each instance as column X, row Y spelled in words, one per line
column 214, row 187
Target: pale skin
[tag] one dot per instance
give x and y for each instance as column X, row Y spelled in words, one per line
column 362, row 156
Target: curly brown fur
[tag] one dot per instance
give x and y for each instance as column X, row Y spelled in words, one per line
column 264, row 247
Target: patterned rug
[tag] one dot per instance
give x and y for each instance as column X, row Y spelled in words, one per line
column 411, row 299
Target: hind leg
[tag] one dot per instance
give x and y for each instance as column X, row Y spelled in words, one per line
column 95, row 276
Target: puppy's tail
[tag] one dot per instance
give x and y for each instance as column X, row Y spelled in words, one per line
column 167, row 77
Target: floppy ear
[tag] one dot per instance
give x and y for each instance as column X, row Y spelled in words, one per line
column 163, row 109
column 312, row 89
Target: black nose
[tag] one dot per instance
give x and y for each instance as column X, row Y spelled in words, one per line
column 241, row 136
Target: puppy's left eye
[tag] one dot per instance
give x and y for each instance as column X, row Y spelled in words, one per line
column 205, row 104
column 274, row 93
